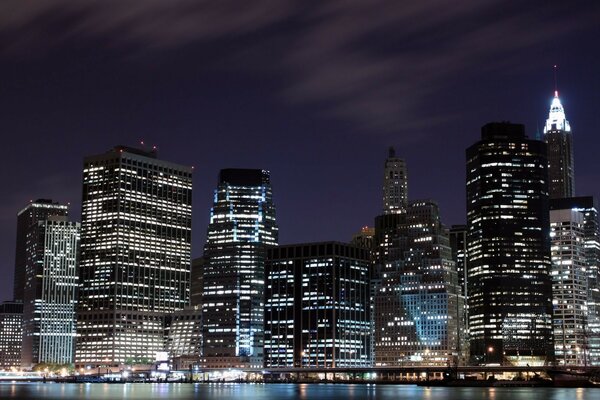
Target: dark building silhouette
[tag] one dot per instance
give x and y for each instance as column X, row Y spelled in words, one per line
column 242, row 225
column 509, row 284
column 11, row 334
column 317, row 306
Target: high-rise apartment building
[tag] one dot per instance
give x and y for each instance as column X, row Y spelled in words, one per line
column 558, row 136
column 135, row 254
column 317, row 306
column 569, row 286
column 242, row 226
column 418, row 307
column 50, row 293
column 395, row 184
column 11, row 334
column 36, row 211
column 509, row 282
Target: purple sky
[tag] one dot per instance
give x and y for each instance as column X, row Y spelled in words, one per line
column 314, row 93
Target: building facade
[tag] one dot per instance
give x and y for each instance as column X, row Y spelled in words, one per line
column 509, row 282
column 569, row 287
column 459, row 248
column 242, row 225
column 184, row 336
column 11, row 334
column 135, row 255
column 561, row 163
column 317, row 306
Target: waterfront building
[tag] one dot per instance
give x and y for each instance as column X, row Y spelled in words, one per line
column 558, row 136
column 317, row 306
column 11, row 334
column 586, row 205
column 509, row 283
column 50, row 284
column 135, row 255
column 418, row 306
column 38, row 210
column 242, row 225
column 569, row 286
column 197, row 284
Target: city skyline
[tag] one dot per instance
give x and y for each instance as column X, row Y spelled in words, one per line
column 255, row 94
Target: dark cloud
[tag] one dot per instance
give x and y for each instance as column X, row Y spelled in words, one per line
column 364, row 62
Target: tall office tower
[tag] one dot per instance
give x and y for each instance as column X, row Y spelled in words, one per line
column 509, row 283
column 317, row 302
column 395, row 184
column 36, row 211
column 558, row 136
column 591, row 228
column 11, row 334
column 418, row 307
column 135, row 254
column 242, row 226
column 569, row 286
column 458, row 245
column 50, row 293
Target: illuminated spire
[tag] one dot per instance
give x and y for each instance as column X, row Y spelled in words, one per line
column 557, row 121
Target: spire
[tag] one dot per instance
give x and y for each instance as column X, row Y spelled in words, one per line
column 557, row 120
column 391, row 152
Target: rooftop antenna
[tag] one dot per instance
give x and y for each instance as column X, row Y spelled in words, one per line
column 555, row 80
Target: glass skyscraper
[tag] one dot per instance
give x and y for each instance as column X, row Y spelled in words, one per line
column 136, row 234
column 242, row 225
column 509, row 283
column 317, row 306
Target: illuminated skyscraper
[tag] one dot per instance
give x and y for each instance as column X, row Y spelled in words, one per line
column 135, row 265
column 395, row 184
column 50, row 292
column 586, row 206
column 509, row 283
column 418, row 307
column 36, row 211
column 242, row 226
column 317, row 306
column 569, row 287
column 558, row 136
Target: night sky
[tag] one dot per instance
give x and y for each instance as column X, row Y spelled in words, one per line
column 315, row 92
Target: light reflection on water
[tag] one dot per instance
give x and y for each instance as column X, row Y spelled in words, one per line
column 180, row 391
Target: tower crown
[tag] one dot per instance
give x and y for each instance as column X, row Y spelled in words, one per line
column 557, row 121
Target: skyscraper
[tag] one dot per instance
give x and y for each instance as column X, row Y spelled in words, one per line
column 569, row 287
column 50, row 292
column 395, row 184
column 509, row 283
column 11, row 334
column 418, row 307
column 558, row 136
column 458, row 245
column 135, row 254
column 317, row 306
column 242, row 225
column 36, row 211
column 591, row 236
